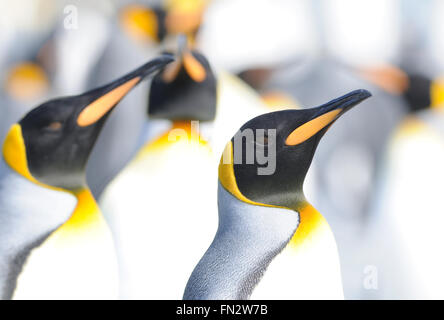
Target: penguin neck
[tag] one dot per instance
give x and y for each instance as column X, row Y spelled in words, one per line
column 176, row 131
column 248, row 238
column 190, row 127
column 29, row 213
column 311, row 221
column 81, row 253
column 85, row 213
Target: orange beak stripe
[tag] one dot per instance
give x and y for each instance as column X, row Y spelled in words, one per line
column 97, row 109
column 310, row 128
column 194, row 68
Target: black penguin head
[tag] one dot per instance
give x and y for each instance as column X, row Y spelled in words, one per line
column 185, row 90
column 418, row 93
column 288, row 140
column 52, row 143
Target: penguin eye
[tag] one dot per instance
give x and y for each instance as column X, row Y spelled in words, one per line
column 54, row 126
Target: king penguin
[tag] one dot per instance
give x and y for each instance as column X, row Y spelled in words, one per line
column 271, row 243
column 138, row 33
column 174, row 170
column 162, row 195
column 55, row 243
column 408, row 206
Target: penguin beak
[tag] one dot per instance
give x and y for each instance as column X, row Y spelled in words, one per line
column 325, row 116
column 185, row 58
column 345, row 103
column 102, row 100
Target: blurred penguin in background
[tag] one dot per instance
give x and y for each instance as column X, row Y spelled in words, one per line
column 139, row 30
column 78, row 42
column 350, row 158
column 61, row 54
column 164, row 193
column 407, row 209
column 170, row 183
column 25, row 83
column 53, row 57
column 134, row 37
column 25, row 28
column 185, row 16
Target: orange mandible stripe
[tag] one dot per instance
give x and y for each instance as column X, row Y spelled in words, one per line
column 97, row 109
column 310, row 128
column 194, row 68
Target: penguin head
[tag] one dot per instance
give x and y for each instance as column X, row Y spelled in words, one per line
column 267, row 160
column 52, row 143
column 184, row 90
column 144, row 24
column 418, row 93
column 424, row 92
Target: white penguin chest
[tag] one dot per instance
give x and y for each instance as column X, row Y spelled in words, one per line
column 163, row 214
column 77, row 261
column 309, row 271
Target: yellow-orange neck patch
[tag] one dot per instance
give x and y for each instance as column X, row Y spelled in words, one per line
column 279, row 101
column 411, row 126
column 228, row 180
column 140, row 23
column 26, row 81
column 14, row 154
column 184, row 16
column 186, row 5
column 437, row 94
column 180, row 130
column 310, row 219
column 85, row 214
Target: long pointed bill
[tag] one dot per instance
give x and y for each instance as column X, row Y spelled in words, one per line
column 107, row 97
column 325, row 116
column 185, row 58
